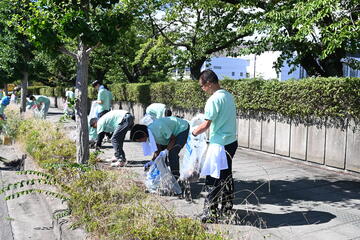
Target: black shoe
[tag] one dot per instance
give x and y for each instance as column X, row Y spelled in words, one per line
column 185, row 190
column 209, row 216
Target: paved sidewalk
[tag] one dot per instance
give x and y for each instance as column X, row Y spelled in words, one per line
column 277, row 198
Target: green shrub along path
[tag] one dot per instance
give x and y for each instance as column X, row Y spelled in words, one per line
column 107, row 204
column 316, row 97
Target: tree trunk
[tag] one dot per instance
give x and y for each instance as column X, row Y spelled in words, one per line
column 6, row 89
column 311, row 66
column 332, row 64
column 195, row 68
column 82, row 131
column 24, row 86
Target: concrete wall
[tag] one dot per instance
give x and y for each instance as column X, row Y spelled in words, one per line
column 321, row 144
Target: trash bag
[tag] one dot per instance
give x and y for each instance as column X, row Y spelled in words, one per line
column 146, row 120
column 195, row 149
column 92, row 131
column 159, row 178
column 37, row 112
column 93, row 110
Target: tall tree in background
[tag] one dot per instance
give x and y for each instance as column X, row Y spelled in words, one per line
column 16, row 56
column 200, row 28
column 54, row 70
column 56, row 25
column 139, row 55
column 316, row 34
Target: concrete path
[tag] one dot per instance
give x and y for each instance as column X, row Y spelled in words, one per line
column 276, row 198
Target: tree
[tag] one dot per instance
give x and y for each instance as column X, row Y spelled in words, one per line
column 54, row 25
column 321, row 33
column 200, row 28
column 139, row 55
column 54, row 70
column 17, row 52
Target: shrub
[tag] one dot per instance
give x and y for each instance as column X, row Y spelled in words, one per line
column 139, row 92
column 34, row 90
column 110, row 205
column 59, row 92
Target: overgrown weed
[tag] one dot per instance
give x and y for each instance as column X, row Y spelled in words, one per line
column 109, row 205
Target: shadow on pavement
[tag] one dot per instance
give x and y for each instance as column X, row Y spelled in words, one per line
column 55, row 113
column 285, row 193
column 272, row 220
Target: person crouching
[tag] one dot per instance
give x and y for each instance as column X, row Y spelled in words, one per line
column 118, row 122
column 170, row 133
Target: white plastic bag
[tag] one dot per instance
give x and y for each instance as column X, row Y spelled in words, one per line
column 160, row 179
column 195, row 149
column 146, row 120
column 93, row 110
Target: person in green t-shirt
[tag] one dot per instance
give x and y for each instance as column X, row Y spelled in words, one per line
column 220, row 117
column 169, row 133
column 117, row 122
column 104, row 98
column 43, row 103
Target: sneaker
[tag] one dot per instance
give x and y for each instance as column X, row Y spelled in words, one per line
column 118, row 164
column 111, row 160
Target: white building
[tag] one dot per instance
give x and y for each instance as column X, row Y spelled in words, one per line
column 258, row 66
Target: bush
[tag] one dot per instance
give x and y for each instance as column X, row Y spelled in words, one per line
column 119, row 92
column 318, row 97
column 59, row 92
column 138, row 92
column 107, row 204
column 47, row 91
column 34, row 90
column 92, row 94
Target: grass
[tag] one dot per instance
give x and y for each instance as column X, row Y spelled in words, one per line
column 108, row 205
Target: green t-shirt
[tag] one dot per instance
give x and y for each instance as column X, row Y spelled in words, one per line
column 105, row 96
column 2, row 108
column 163, row 128
column 43, row 99
column 110, row 121
column 156, row 110
column 92, row 132
column 221, row 110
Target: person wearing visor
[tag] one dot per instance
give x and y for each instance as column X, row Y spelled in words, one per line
column 169, row 134
column 104, row 98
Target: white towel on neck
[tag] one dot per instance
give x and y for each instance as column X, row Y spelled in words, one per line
column 215, row 161
column 149, row 147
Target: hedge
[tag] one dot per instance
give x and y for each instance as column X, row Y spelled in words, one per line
column 318, row 97
column 34, row 90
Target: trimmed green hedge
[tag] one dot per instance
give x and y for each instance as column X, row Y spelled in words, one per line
column 319, row 97
column 47, row 91
column 34, row 90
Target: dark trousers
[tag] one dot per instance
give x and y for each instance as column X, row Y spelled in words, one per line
column 222, row 188
column 180, row 142
column 119, row 134
column 103, row 113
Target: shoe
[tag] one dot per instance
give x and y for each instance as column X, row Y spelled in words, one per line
column 111, row 160
column 118, row 163
column 209, row 216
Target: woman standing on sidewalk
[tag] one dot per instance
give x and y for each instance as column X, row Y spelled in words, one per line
column 220, row 117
